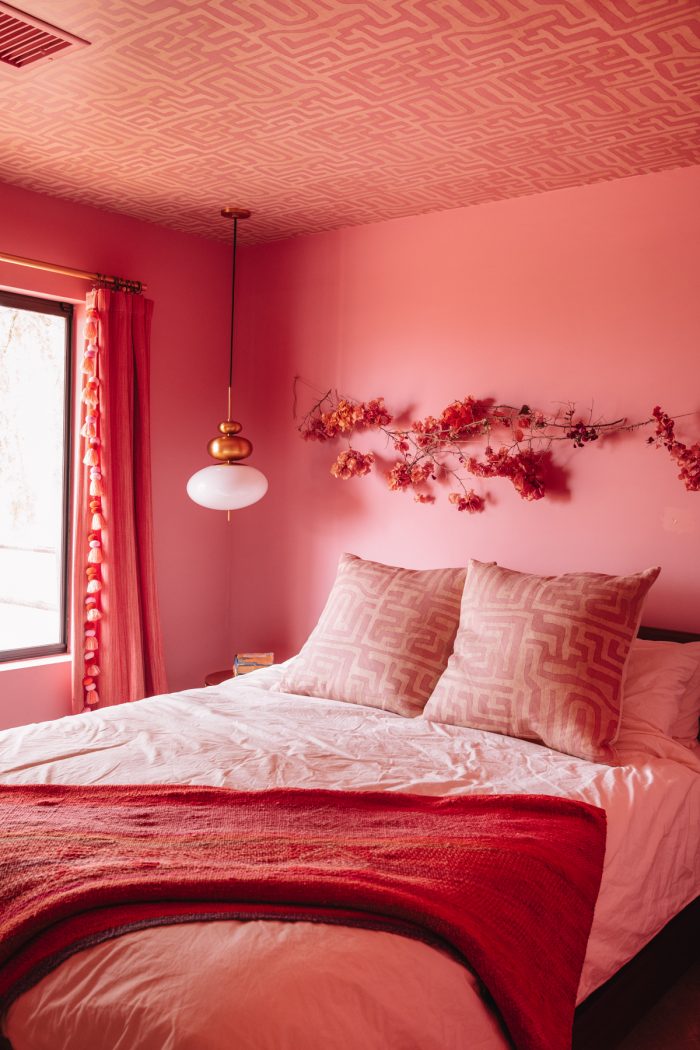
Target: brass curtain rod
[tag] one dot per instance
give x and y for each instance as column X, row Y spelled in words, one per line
column 118, row 283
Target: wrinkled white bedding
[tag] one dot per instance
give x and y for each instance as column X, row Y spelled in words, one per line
column 298, row 986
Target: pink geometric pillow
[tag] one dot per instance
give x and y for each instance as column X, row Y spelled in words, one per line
column 383, row 639
column 542, row 657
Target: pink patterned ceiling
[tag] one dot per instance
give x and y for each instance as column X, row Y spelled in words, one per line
column 324, row 113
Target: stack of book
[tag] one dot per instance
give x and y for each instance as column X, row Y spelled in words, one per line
column 245, row 662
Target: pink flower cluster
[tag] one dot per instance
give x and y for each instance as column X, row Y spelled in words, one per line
column 345, row 417
column 352, row 464
column 460, row 421
column 404, row 475
column 687, row 458
column 524, row 468
column 471, row 501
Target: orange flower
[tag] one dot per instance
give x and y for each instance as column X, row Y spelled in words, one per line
column 471, row 501
column 405, row 475
column 346, row 415
column 352, row 464
column 399, row 477
column 461, row 416
column 375, row 413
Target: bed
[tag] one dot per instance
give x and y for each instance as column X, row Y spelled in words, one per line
column 301, row 985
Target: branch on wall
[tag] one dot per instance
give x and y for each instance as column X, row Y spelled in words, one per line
column 478, row 438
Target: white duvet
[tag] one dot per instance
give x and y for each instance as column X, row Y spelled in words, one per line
column 300, row 986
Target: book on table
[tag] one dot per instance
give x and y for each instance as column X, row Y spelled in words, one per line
column 245, row 662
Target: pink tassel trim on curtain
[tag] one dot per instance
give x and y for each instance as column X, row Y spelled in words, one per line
column 115, row 621
column 90, row 431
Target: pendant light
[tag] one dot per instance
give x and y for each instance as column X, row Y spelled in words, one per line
column 229, row 484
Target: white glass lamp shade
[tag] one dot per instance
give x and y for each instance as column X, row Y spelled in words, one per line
column 227, row 486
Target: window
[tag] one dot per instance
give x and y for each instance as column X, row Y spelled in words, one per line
column 35, row 383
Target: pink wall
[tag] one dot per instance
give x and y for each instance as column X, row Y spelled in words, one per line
column 587, row 294
column 188, row 278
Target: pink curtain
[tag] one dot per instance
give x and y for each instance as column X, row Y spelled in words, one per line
column 116, row 643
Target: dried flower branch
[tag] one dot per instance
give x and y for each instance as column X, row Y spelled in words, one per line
column 433, row 448
column 688, row 459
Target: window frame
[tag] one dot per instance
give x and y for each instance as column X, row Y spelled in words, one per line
column 55, row 307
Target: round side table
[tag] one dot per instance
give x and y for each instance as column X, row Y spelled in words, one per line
column 217, row 677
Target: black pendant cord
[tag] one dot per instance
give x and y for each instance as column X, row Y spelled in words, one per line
column 233, row 304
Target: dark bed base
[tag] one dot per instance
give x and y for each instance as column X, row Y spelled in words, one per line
column 661, row 634
column 606, row 1017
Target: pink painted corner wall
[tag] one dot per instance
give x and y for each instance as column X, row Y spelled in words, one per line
column 588, row 294
column 188, row 278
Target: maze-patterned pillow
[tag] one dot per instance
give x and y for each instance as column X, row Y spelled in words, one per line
column 542, row 657
column 383, row 639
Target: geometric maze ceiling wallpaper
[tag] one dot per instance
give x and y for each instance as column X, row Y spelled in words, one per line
column 317, row 114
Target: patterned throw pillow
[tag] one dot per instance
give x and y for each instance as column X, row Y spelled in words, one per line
column 383, row 639
column 542, row 657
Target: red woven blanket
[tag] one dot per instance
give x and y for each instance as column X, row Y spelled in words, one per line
column 507, row 883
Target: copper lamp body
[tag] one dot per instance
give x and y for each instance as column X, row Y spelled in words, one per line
column 228, row 484
column 230, row 448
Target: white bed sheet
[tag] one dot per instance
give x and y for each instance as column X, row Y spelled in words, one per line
column 299, row 986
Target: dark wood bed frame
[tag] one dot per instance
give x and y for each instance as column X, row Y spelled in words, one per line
column 606, row 1016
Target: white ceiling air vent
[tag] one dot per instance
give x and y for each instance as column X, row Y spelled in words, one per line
column 25, row 40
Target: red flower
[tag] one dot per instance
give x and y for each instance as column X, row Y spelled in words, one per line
column 429, row 425
column 528, row 477
column 352, row 464
column 346, row 415
column 529, row 486
column 435, row 445
column 405, row 475
column 399, row 477
column 426, row 431
column 463, row 419
column 688, row 459
column 375, row 413
column 421, row 474
column 471, row 501
column 524, row 469
column 581, row 432
column 316, row 430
